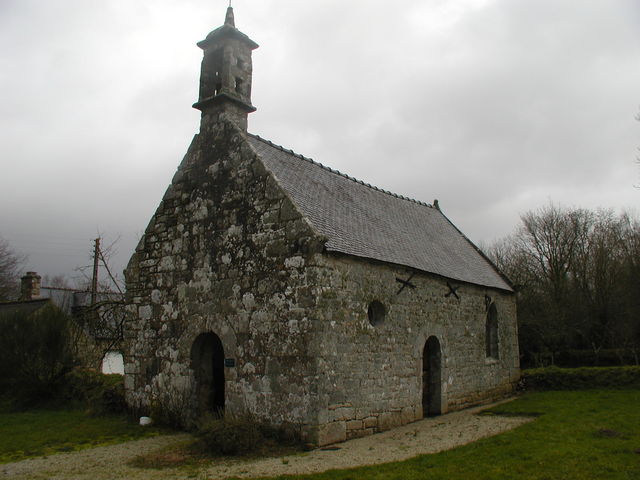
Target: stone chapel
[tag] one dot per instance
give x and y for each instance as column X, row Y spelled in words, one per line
column 267, row 283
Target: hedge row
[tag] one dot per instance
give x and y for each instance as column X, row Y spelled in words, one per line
column 555, row 378
column 611, row 357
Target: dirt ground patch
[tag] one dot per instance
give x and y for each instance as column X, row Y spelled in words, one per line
column 425, row 436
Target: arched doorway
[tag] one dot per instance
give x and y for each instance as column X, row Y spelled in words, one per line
column 431, row 377
column 207, row 362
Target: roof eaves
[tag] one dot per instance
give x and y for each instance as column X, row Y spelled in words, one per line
column 415, row 269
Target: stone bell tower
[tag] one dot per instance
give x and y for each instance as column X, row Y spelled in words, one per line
column 225, row 77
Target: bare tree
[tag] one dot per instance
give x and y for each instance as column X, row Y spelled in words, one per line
column 628, row 332
column 638, row 158
column 10, row 263
column 597, row 272
column 103, row 317
column 578, row 274
column 549, row 241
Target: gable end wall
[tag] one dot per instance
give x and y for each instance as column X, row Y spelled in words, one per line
column 225, row 252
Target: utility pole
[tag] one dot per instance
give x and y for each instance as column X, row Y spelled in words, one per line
column 94, row 279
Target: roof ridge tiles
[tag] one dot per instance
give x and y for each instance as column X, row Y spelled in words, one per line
column 337, row 172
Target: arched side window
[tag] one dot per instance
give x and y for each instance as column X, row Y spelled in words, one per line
column 491, row 332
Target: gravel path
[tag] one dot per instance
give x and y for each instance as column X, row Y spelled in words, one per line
column 425, row 436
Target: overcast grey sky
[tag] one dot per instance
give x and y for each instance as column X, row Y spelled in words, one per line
column 494, row 107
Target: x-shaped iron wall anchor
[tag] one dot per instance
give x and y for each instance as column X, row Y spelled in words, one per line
column 405, row 283
column 452, row 291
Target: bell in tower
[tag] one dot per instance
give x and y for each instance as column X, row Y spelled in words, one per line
column 225, row 77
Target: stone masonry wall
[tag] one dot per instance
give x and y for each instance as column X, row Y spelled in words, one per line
column 370, row 378
column 226, row 252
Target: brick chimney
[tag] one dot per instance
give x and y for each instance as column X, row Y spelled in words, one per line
column 30, row 287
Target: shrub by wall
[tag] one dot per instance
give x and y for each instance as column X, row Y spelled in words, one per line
column 97, row 392
column 243, row 435
column 229, row 435
column 555, row 378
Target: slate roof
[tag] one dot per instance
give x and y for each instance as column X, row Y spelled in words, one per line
column 367, row 222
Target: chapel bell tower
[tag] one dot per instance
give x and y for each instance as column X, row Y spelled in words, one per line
column 225, row 77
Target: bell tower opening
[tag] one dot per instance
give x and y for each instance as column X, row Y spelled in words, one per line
column 211, row 76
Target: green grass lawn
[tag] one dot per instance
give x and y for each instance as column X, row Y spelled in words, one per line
column 577, row 435
column 591, row 434
column 44, row 432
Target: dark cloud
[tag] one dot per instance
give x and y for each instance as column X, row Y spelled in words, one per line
column 493, row 107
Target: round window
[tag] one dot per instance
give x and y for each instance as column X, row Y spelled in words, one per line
column 376, row 313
